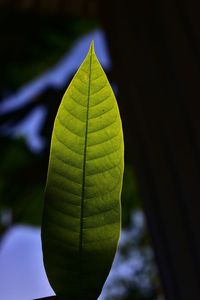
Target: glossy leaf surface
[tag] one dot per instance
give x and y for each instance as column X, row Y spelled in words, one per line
column 82, row 211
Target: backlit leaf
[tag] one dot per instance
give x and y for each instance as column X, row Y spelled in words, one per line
column 82, row 210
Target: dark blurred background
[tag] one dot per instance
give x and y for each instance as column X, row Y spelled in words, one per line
column 150, row 52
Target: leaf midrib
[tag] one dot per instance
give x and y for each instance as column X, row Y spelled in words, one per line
column 84, row 165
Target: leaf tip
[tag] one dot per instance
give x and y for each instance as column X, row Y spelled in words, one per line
column 91, row 46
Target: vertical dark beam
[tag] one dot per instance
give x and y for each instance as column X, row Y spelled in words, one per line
column 156, row 60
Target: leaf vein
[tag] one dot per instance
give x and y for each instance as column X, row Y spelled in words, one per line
column 83, row 94
column 102, row 212
column 105, row 193
column 66, row 163
column 74, row 100
column 65, row 190
column 104, row 99
column 100, row 226
column 99, row 90
column 104, row 141
column 65, row 176
column 70, row 113
column 104, row 171
column 102, row 128
column 101, row 156
column 61, row 142
column 68, row 129
column 102, row 113
column 53, row 207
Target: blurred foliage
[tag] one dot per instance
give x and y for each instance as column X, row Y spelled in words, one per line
column 31, row 45
column 22, row 177
column 129, row 192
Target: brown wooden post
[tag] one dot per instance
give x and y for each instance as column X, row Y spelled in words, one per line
column 155, row 47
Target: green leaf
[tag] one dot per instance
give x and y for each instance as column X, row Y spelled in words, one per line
column 82, row 210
